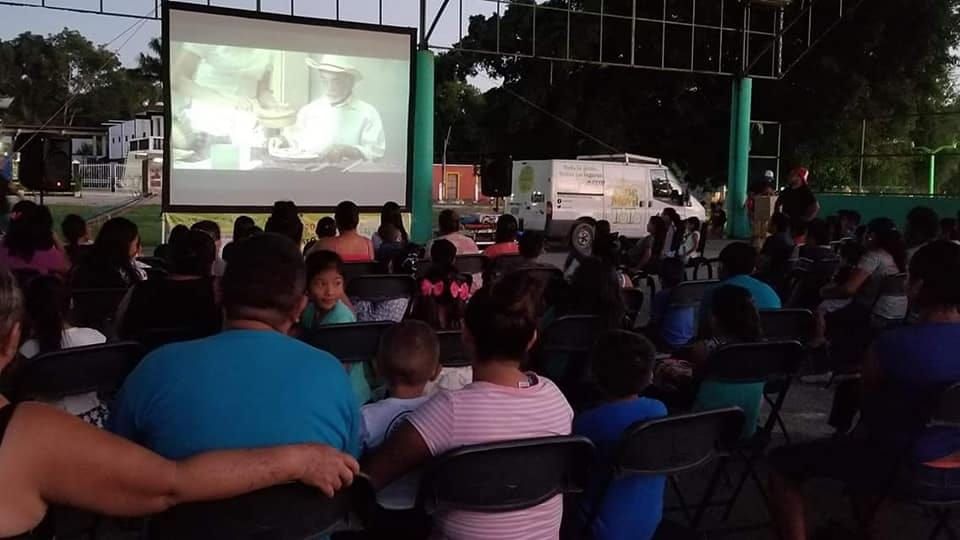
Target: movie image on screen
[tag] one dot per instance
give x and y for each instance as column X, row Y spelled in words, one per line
column 265, row 110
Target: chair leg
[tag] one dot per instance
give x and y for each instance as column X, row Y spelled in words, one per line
column 748, row 463
column 708, row 494
column 943, row 524
column 684, row 507
column 778, row 419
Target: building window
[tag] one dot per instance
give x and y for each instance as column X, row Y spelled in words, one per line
column 451, row 187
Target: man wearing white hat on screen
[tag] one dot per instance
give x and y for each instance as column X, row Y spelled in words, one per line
column 338, row 126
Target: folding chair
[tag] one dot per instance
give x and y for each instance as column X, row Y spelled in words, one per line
column 154, row 338
column 505, row 476
column 772, row 362
column 96, row 308
column 785, row 325
column 946, row 414
column 358, row 269
column 552, row 279
column 671, row 446
column 75, row 371
column 633, row 299
column 286, row 512
column 350, row 343
column 452, row 352
column 702, row 260
column 564, row 351
column 378, row 290
column 688, row 296
column 472, row 264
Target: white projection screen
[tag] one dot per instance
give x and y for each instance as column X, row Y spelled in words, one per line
column 263, row 107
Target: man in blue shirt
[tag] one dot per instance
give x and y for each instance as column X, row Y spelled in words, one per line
column 737, row 262
column 250, row 386
column 622, row 365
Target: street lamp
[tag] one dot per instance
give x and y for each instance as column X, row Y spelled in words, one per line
column 932, row 153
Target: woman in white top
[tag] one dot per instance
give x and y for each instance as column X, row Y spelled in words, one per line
column 691, row 239
column 47, row 304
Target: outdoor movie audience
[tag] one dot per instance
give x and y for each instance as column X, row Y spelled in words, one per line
column 449, row 224
column 349, row 244
column 29, row 244
column 76, row 237
column 505, row 238
column 112, row 263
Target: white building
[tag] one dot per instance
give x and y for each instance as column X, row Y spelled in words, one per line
column 142, row 134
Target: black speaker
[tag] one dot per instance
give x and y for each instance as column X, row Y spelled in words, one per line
column 45, row 162
column 496, row 175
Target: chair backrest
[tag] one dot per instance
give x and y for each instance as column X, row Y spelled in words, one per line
column 754, row 362
column 472, row 264
column 947, row 411
column 690, row 293
column 452, row 351
column 95, row 308
column 506, row 476
column 286, row 512
column 704, row 233
column 349, row 343
column 154, row 338
column 677, row 444
column 787, row 324
column 381, row 287
column 550, row 276
column 69, row 372
column 357, row 269
column 573, row 333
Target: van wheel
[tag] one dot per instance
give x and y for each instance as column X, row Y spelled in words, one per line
column 581, row 238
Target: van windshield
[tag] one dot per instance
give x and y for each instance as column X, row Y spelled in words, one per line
column 664, row 188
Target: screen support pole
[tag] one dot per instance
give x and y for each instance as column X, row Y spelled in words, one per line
column 739, row 162
column 422, row 203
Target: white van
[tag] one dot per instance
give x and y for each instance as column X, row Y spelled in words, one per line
column 565, row 198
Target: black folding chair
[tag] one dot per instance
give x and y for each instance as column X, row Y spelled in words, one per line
column 286, row 512
column 563, row 353
column 96, row 308
column 689, row 295
column 702, row 260
column 946, row 414
column 154, row 338
column 358, row 269
column 452, row 351
column 785, row 325
column 472, row 264
column 633, row 300
column 771, row 362
column 505, row 476
column 381, row 287
column 350, row 343
column 671, row 446
column 552, row 279
column 75, row 371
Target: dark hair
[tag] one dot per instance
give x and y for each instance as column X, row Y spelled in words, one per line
column 531, row 244
column 194, row 254
column 819, row 232
column 47, row 305
column 321, row 261
column 735, row 313
column 409, row 353
column 448, row 221
column 112, row 247
column 266, row 273
column 30, row 230
column 74, row 228
column 388, row 232
column 177, row 233
column 659, row 235
column 390, row 214
column 595, row 290
column 672, row 272
column 443, row 254
column 738, row 258
column 326, row 227
column 443, row 312
column 780, row 223
column 622, row 363
column 923, row 225
column 507, row 228
column 850, row 253
column 674, row 218
column 209, row 227
column 285, row 221
column 502, row 320
column 695, row 221
column 936, row 267
column 347, row 216
column 243, row 227
column 887, row 238
column 850, row 215
column 948, row 229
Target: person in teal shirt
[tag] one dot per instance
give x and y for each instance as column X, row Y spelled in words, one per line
column 250, row 386
column 737, row 262
column 327, row 306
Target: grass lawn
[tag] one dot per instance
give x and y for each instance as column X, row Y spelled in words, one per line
column 147, row 218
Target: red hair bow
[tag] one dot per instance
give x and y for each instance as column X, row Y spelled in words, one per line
column 460, row 291
column 428, row 288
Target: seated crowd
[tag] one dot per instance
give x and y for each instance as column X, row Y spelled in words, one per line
column 233, row 397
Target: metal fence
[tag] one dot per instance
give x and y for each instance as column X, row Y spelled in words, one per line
column 101, row 176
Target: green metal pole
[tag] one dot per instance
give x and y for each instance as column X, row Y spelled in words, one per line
column 422, row 203
column 933, row 174
column 740, row 158
column 731, row 159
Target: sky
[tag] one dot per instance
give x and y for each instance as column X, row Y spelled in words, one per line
column 101, row 29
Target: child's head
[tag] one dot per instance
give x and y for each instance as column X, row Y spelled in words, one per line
column 693, row 224
column 324, row 278
column 531, row 244
column 622, row 363
column 672, row 272
column 501, row 321
column 738, row 258
column 326, row 227
column 733, row 314
column 209, row 227
column 74, row 230
column 409, row 355
column 243, row 227
column 443, row 253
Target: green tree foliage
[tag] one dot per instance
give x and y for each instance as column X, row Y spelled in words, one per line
column 43, row 73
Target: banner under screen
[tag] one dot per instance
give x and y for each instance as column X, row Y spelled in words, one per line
column 265, row 109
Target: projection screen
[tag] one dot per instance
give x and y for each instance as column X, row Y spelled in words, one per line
column 262, row 108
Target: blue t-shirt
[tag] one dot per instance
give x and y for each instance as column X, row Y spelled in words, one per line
column 677, row 325
column 917, row 362
column 763, row 295
column 633, row 505
column 237, row 389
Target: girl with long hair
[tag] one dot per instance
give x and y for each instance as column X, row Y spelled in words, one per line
column 390, row 214
column 29, row 243
column 443, row 290
column 112, row 261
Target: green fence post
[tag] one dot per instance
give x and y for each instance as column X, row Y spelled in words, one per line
column 739, row 166
column 422, row 203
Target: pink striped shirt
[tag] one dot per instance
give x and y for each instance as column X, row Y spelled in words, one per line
column 480, row 413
